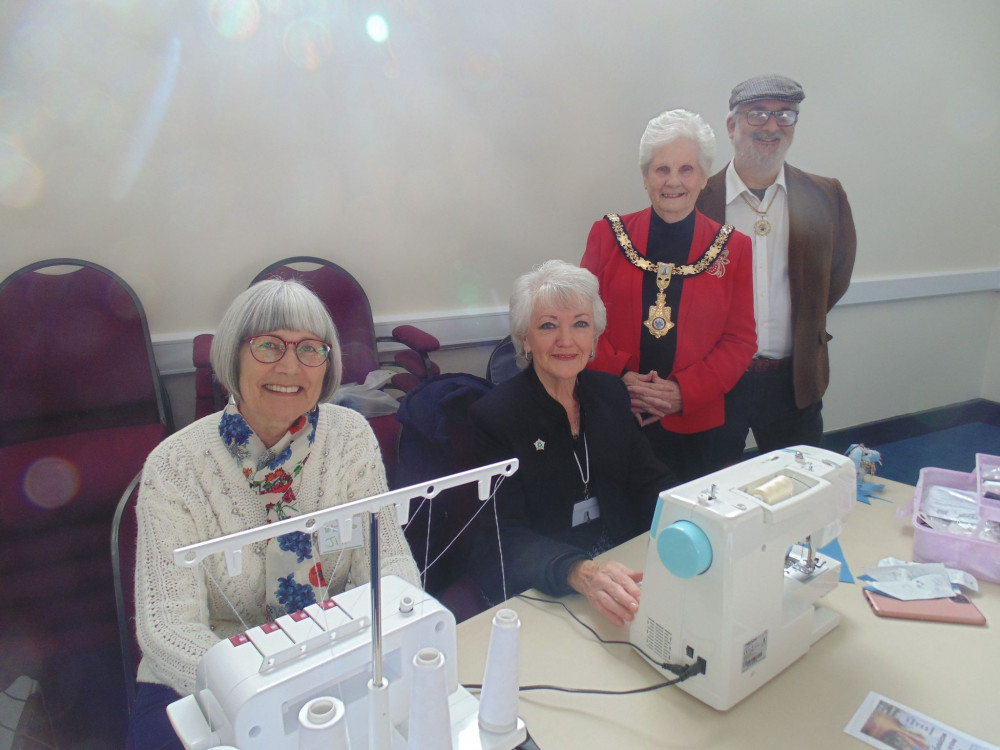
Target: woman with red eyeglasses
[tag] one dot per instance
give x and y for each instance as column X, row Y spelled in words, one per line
column 277, row 450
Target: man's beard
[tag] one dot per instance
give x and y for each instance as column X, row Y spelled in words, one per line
column 771, row 161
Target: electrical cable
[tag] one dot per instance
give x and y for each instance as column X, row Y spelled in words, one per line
column 678, row 669
column 683, row 671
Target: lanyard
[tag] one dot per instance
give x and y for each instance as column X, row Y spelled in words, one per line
column 584, row 476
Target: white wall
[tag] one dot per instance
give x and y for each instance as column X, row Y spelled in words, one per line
column 991, row 369
column 186, row 149
column 899, row 357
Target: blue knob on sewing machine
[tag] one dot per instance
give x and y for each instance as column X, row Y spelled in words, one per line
column 684, row 549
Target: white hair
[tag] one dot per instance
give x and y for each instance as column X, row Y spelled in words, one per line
column 672, row 125
column 556, row 283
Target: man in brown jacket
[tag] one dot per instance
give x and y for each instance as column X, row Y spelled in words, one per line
column 804, row 245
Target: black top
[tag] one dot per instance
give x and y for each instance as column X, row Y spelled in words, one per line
column 519, row 419
column 667, row 243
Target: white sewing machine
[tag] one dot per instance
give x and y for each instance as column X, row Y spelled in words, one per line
column 357, row 647
column 251, row 687
column 728, row 584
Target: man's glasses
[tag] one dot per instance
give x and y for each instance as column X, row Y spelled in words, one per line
column 268, row 349
column 784, row 117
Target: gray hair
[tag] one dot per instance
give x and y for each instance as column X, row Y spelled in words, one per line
column 556, row 283
column 672, row 125
column 272, row 305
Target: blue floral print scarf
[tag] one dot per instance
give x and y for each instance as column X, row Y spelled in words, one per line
column 293, row 578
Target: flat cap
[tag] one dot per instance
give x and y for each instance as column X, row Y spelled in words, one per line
column 766, row 87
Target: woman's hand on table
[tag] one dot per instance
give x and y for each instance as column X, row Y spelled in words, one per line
column 653, row 397
column 611, row 588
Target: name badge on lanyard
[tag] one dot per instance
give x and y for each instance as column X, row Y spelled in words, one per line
column 585, row 511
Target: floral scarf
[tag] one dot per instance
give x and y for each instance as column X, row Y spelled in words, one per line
column 292, row 578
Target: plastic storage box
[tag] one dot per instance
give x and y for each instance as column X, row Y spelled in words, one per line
column 975, row 551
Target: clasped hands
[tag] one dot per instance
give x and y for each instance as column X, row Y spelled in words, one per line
column 653, row 397
column 611, row 588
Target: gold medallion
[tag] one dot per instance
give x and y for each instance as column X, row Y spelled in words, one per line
column 658, row 322
column 762, row 226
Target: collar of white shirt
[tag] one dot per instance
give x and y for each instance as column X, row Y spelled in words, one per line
column 735, row 185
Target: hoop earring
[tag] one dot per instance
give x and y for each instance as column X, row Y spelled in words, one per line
column 527, row 356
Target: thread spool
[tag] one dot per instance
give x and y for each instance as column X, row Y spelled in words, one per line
column 430, row 720
column 775, row 490
column 498, row 701
column 323, row 725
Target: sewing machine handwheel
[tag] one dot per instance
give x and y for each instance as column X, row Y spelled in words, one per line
column 684, row 549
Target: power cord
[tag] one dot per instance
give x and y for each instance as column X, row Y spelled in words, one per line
column 683, row 671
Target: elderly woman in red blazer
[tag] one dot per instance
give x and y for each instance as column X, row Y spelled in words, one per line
column 678, row 288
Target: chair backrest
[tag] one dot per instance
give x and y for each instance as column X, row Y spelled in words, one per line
column 124, row 530
column 502, row 364
column 81, row 357
column 348, row 305
column 209, row 395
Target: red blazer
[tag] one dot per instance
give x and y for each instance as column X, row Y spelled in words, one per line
column 717, row 334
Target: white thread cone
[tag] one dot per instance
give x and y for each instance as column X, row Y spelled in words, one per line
column 323, row 725
column 498, row 701
column 430, row 721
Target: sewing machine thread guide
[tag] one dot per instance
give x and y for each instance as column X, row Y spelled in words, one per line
column 343, row 514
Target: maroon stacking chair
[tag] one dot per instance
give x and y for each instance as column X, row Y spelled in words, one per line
column 81, row 357
column 209, row 395
column 352, row 315
column 124, row 531
column 81, row 406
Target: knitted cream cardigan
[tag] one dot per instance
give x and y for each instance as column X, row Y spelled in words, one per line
column 193, row 490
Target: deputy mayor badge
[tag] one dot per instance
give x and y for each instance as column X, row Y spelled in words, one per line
column 658, row 322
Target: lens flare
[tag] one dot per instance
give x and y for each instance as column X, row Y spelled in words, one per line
column 377, row 28
column 307, row 43
column 51, row 482
column 235, row 19
column 149, row 127
column 21, row 180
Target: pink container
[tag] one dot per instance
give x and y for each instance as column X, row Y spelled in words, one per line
column 988, row 470
column 978, row 556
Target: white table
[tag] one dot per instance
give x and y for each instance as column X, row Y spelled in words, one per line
column 950, row 672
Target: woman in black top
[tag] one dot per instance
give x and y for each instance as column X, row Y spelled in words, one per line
column 587, row 479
